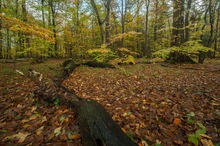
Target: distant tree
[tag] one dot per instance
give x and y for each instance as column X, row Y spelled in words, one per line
column 1, row 35
column 146, row 40
column 189, row 3
column 178, row 23
column 103, row 32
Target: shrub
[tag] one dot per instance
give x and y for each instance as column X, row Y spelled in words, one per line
column 129, row 60
column 102, row 55
column 190, row 48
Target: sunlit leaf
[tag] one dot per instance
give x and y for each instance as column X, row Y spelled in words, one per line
column 62, row 118
column 57, row 131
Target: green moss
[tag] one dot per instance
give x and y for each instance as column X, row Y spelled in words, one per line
column 129, row 60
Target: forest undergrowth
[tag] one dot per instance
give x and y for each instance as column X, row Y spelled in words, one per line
column 153, row 104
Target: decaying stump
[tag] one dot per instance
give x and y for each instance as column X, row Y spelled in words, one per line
column 96, row 125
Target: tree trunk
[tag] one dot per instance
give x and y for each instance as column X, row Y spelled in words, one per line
column 156, row 21
column 53, row 15
column 123, row 19
column 217, row 31
column 178, row 23
column 24, row 13
column 101, row 22
column 107, row 24
column 1, row 35
column 146, row 49
column 211, row 22
column 187, row 20
column 42, row 11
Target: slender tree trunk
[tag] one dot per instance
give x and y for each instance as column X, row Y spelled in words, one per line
column 156, row 21
column 187, row 35
column 100, row 22
column 107, row 24
column 53, row 15
column 211, row 21
column 1, row 35
column 217, row 31
column 146, row 49
column 123, row 19
column 24, row 13
column 42, row 11
column 7, row 53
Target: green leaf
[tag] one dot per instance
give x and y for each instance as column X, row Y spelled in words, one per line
column 190, row 120
column 200, row 131
column 62, row 118
column 193, row 138
column 201, row 126
column 3, row 131
column 191, row 114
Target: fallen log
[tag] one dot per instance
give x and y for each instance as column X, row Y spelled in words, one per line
column 96, row 125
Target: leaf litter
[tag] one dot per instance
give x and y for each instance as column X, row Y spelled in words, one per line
column 154, row 105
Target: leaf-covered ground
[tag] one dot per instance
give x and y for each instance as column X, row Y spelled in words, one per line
column 153, row 104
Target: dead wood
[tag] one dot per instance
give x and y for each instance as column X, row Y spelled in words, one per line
column 96, row 125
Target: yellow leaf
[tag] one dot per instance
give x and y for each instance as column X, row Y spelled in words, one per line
column 44, row 119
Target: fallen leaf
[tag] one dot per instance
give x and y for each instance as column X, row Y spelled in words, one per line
column 33, row 108
column 44, row 119
column 20, row 136
column 76, row 136
column 177, row 121
column 206, row 142
column 26, row 125
column 132, row 116
column 39, row 131
column 32, row 117
column 178, row 142
column 205, row 136
column 144, row 143
column 57, row 131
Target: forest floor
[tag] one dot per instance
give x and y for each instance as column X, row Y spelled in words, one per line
column 154, row 104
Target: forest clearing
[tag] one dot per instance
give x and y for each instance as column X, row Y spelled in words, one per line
column 153, row 104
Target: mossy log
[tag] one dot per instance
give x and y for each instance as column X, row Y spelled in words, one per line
column 178, row 57
column 99, row 64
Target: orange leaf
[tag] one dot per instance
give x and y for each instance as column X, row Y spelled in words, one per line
column 177, row 121
column 76, row 136
column 32, row 118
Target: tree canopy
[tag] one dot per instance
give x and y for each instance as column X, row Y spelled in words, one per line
column 70, row 28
